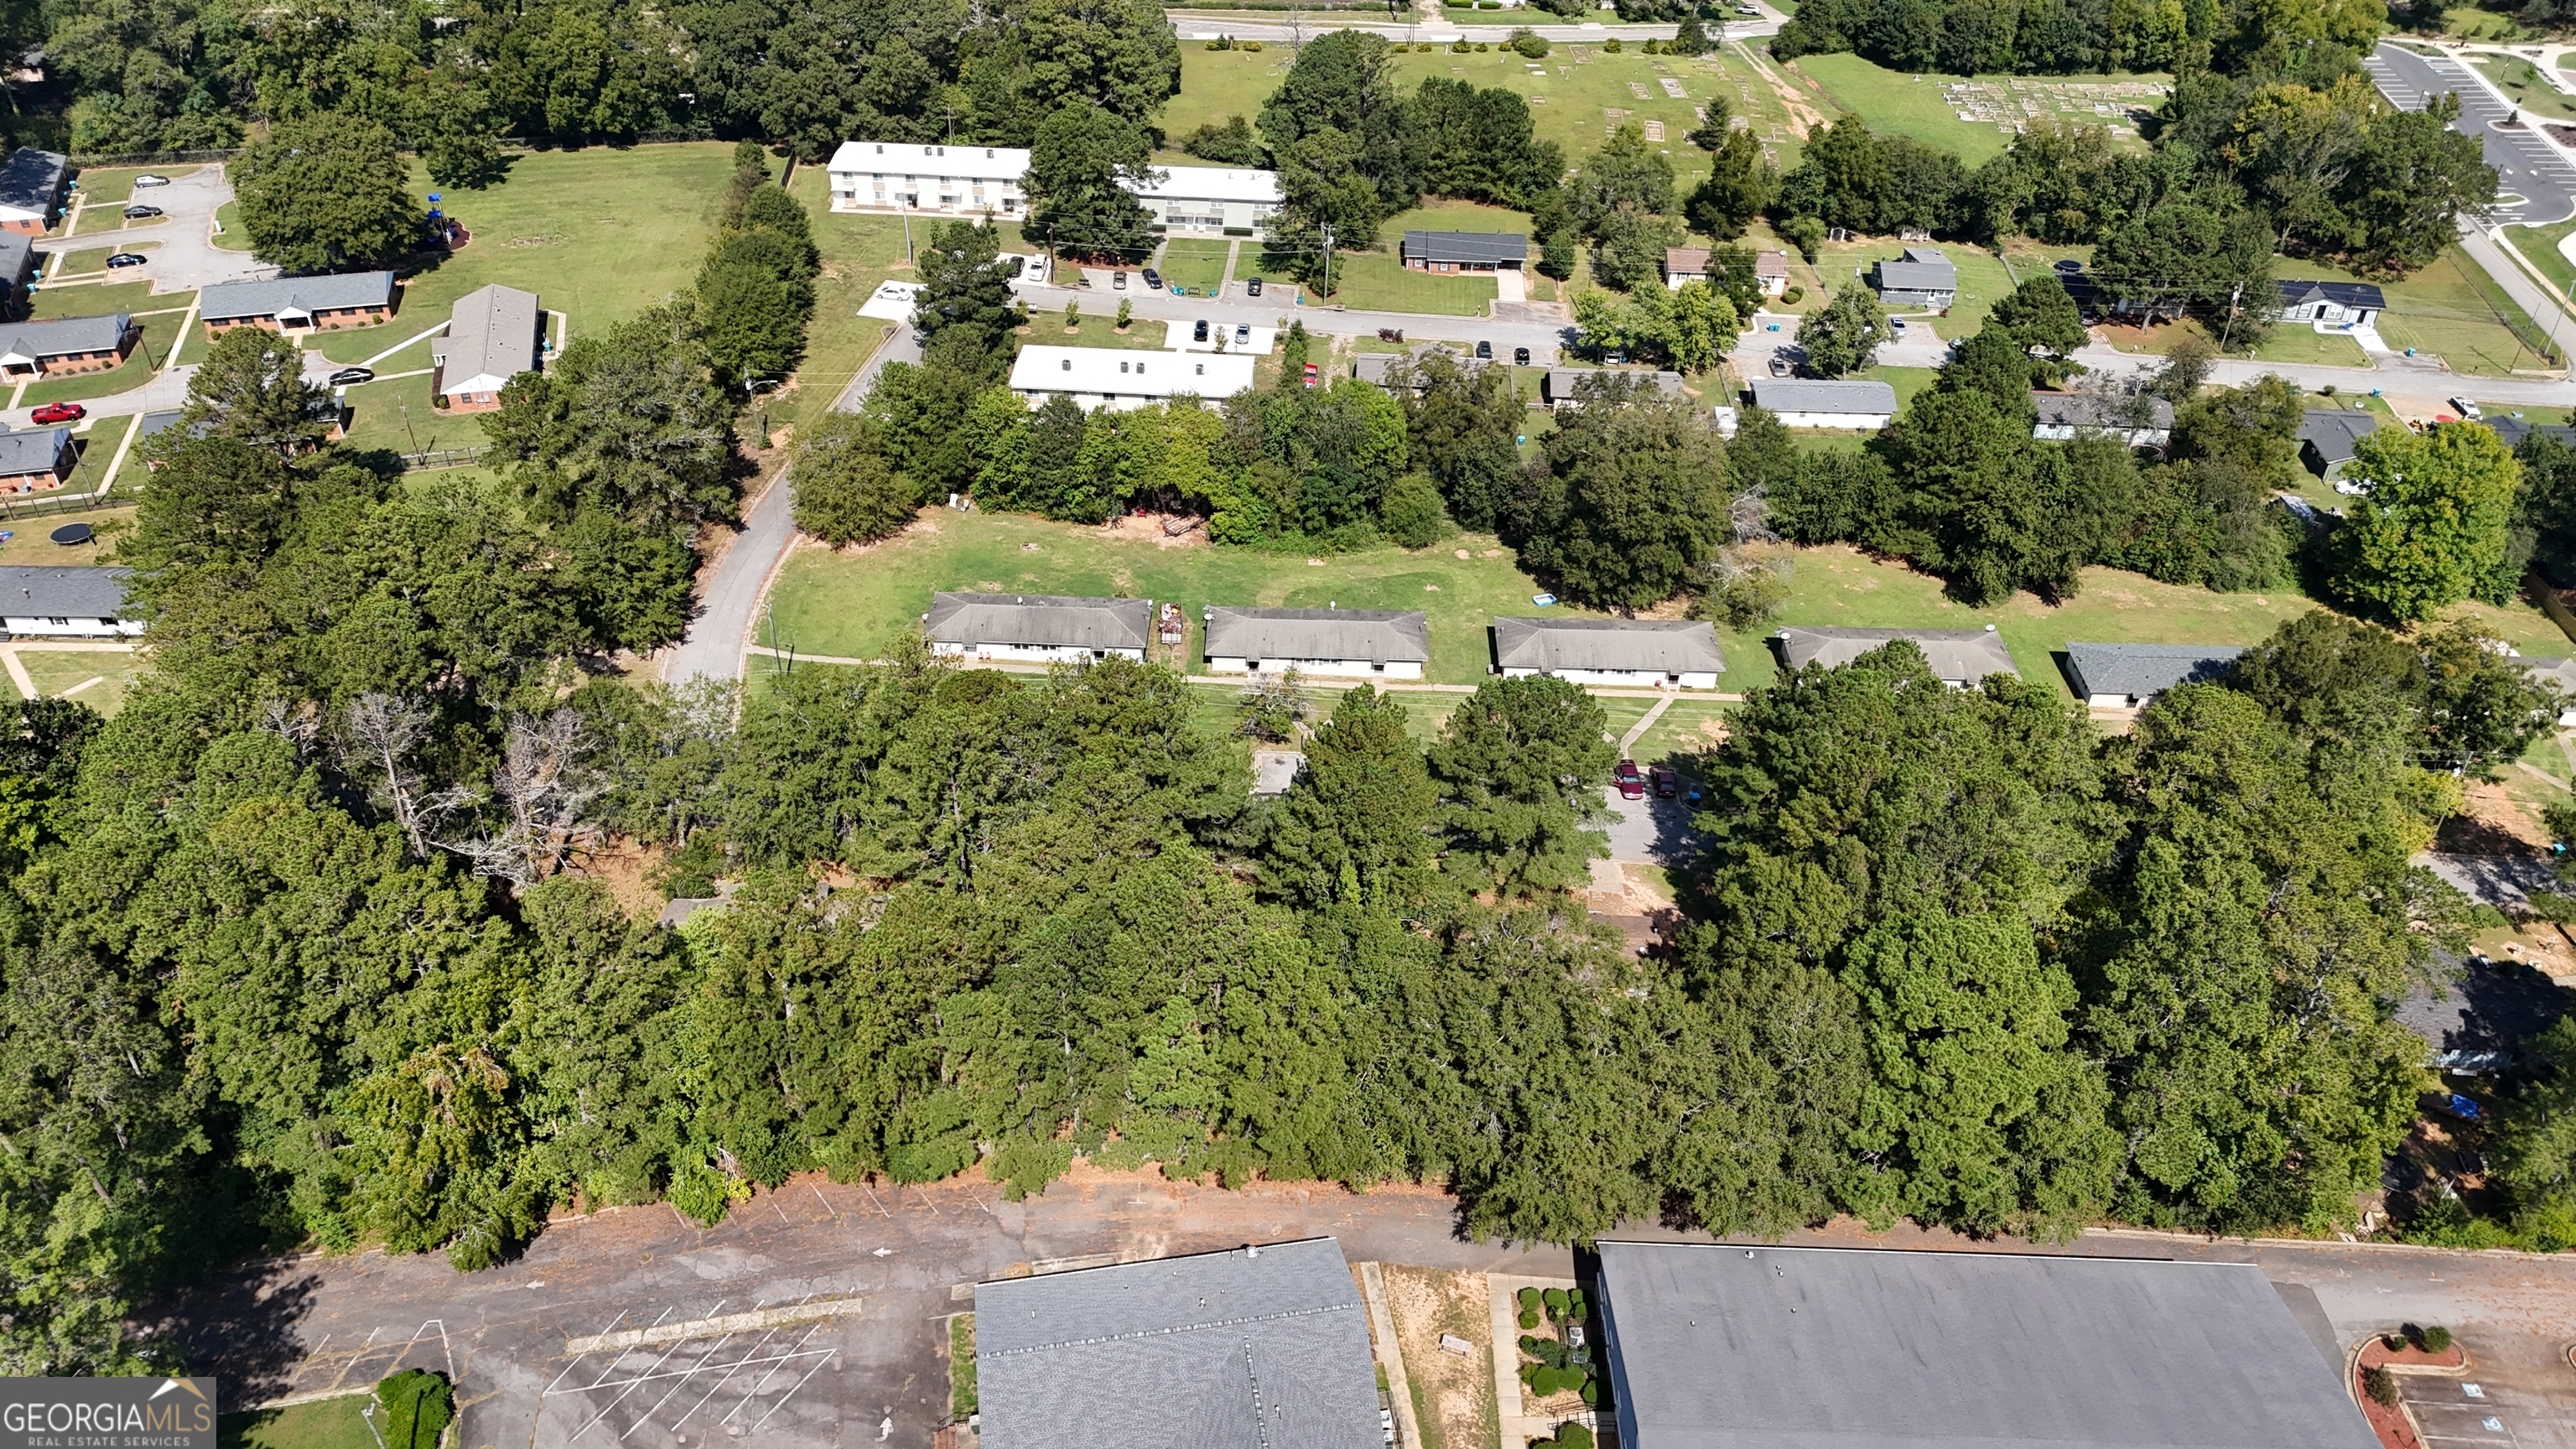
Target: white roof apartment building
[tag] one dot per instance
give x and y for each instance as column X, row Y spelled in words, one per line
column 972, row 180
column 1121, row 379
column 1638, row 653
column 1037, row 628
column 1366, row 643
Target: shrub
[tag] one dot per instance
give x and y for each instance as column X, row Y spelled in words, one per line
column 2437, row 1339
column 1461, row 47
column 2393, row 1342
column 1610, row 47
column 1529, row 43
column 1651, row 47
column 1248, row 45
column 1792, row 296
column 415, row 1407
column 1573, row 1436
column 1556, row 1303
column 1528, row 1299
column 1591, row 1390
column 1482, row 47
column 2381, row 1385
column 1529, row 1318
column 1577, row 1304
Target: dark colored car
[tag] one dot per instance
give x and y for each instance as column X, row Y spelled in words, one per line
column 60, row 413
column 1664, row 783
column 1199, row 333
column 141, row 213
column 352, row 376
column 1153, row 279
column 1485, row 351
column 1252, row 288
column 1520, row 357
column 127, row 259
column 1630, row 780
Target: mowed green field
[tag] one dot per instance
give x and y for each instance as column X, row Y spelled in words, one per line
column 850, row 603
column 1901, row 103
column 326, row 1424
column 2449, row 309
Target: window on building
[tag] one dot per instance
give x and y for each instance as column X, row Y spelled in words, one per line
column 60, row 623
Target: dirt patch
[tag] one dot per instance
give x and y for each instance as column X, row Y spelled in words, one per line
column 1155, row 528
column 1803, row 113
column 622, row 866
column 1453, row 1393
column 2492, row 822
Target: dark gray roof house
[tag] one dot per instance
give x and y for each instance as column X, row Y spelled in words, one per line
column 295, row 296
column 1478, row 249
column 1626, row 646
column 61, row 592
column 2121, row 675
column 31, row 185
column 1803, row 397
column 2067, row 414
column 1923, row 276
column 36, row 453
column 2346, row 297
column 1957, row 656
column 1293, row 636
column 1560, row 385
column 1038, row 621
column 2327, row 435
column 1258, row 1348
column 1715, row 1346
column 1374, row 367
column 17, row 263
column 27, row 344
column 2514, row 430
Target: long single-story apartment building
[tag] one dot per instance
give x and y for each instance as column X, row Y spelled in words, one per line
column 1038, row 628
column 2143, row 421
column 2124, row 676
column 36, row 460
column 299, row 304
column 1120, row 378
column 31, row 190
column 1959, row 657
column 65, row 345
column 1262, row 1345
column 1860, row 404
column 494, row 334
column 956, row 180
column 17, row 268
column 1378, row 368
column 1724, row 1345
column 60, row 602
column 1639, row 653
column 1465, row 251
column 1362, row 643
column 1562, row 387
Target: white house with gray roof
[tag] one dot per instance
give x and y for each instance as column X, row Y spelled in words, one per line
column 65, row 345
column 2140, row 421
column 1563, row 387
column 1958, row 657
column 298, row 304
column 1852, row 403
column 2559, row 670
column 494, row 334
column 1258, row 1347
column 1636, row 653
column 1727, row 1346
column 2328, row 439
column 1037, row 628
column 1361, row 643
column 1923, row 277
column 65, row 603
column 2125, row 676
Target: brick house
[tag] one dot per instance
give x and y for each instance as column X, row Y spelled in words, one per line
column 495, row 334
column 65, row 345
column 31, row 190
column 299, row 304
column 37, row 460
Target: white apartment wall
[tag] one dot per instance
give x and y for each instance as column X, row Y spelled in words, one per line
column 1393, row 669
column 1865, row 422
column 1621, row 678
column 72, row 628
column 1031, row 653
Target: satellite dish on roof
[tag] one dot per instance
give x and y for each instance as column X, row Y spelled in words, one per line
column 72, row 533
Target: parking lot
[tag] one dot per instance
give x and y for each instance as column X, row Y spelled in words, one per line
column 2501, row 1400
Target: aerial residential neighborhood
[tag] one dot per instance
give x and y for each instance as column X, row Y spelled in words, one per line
column 1480, row 723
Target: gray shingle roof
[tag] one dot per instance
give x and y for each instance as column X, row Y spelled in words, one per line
column 1372, row 367
column 1922, row 269
column 62, row 593
column 2333, row 431
column 1477, row 248
column 64, row 335
column 1664, row 646
column 1560, row 383
column 1961, row 656
column 1214, row 1351
column 37, row 450
column 231, row 300
column 17, row 257
column 1804, row 395
column 1380, row 636
column 492, row 333
column 1041, row 621
column 1685, row 261
column 2557, row 669
column 32, row 180
column 1724, row 1347
column 2087, row 410
column 2143, row 670
column 2514, row 430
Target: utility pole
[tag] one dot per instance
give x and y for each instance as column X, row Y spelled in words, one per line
column 1328, row 259
column 2233, row 297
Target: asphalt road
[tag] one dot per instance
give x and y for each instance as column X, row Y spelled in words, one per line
column 2527, row 166
column 907, row 1255
column 180, row 242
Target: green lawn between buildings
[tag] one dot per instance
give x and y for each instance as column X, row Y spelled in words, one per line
column 2540, row 246
column 338, row 1423
column 851, row 603
column 2450, row 309
column 1899, row 103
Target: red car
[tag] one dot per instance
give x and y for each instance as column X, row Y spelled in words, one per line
column 1630, row 780
column 1665, row 783
column 1314, row 374
column 60, row 413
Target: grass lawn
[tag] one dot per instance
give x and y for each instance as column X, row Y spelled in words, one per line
column 1688, row 727
column 325, row 1424
column 2539, row 245
column 63, row 672
column 1095, row 326
column 2522, row 81
column 27, row 543
column 1195, row 263
column 114, row 186
column 83, row 263
column 2449, row 309
column 2297, row 342
column 1903, row 104
column 601, row 233
column 394, row 413
column 2471, row 22
column 134, row 371
column 1578, row 95
column 1216, row 84
column 228, row 233
column 1906, row 380
column 1378, row 281
column 95, row 299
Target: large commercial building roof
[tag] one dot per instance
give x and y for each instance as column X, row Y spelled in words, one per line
column 61, row 593
column 904, row 158
column 492, row 337
column 1719, row 1347
column 2141, row 671
column 1961, row 656
column 1380, row 636
column 1664, row 646
column 1807, row 395
column 31, row 181
column 1467, row 248
column 1040, row 621
column 23, row 343
column 230, row 301
column 1257, row 1348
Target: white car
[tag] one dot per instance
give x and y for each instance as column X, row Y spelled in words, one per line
column 2466, row 409
column 148, row 179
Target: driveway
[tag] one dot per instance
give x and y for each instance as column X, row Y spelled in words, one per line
column 184, row 255
column 1649, row 831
